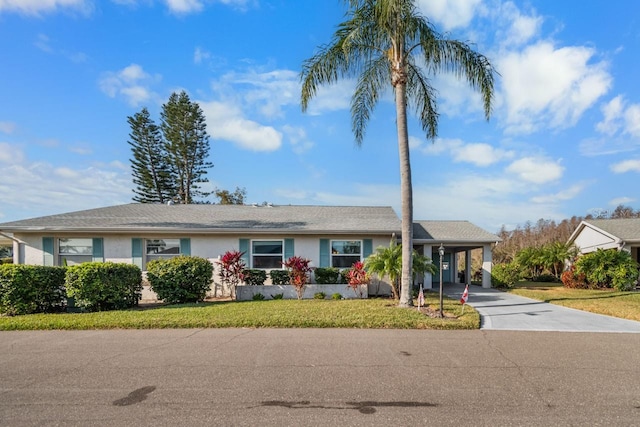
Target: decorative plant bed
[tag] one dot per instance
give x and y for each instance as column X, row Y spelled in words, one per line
column 246, row 293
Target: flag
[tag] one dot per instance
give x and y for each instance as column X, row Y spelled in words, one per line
column 420, row 297
column 465, row 295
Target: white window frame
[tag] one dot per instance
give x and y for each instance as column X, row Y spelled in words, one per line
column 345, row 255
column 149, row 257
column 62, row 256
column 253, row 254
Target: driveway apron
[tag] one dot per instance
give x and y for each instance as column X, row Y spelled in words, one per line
column 504, row 311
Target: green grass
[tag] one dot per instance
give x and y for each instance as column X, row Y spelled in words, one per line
column 371, row 313
column 625, row 305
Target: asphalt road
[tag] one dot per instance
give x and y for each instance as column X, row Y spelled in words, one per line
column 301, row 377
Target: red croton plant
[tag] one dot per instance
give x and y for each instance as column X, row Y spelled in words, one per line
column 231, row 270
column 299, row 270
column 357, row 276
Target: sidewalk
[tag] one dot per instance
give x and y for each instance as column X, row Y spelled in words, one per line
column 504, row 311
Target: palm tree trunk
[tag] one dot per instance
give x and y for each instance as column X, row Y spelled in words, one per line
column 406, row 193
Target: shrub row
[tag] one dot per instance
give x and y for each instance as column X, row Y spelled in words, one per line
column 323, row 276
column 26, row 289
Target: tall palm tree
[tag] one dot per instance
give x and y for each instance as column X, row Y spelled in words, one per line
column 386, row 42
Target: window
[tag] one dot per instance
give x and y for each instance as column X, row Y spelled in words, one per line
column 267, row 253
column 162, row 248
column 344, row 253
column 73, row 251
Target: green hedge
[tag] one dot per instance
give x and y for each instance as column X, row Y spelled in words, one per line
column 254, row 277
column 104, row 285
column 279, row 277
column 26, row 289
column 505, row 275
column 327, row 275
column 180, row 279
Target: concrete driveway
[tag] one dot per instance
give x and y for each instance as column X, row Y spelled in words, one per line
column 504, row 311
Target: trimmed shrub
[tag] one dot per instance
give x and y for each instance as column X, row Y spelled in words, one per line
column 26, row 289
column 505, row 275
column 180, row 279
column 254, row 277
column 319, row 295
column 327, row 275
column 546, row 278
column 609, row 269
column 279, row 277
column 98, row 286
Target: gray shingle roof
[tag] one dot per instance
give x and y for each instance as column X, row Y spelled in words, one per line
column 452, row 231
column 627, row 229
column 218, row 219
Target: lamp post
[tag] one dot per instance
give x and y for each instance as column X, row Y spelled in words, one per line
column 441, row 253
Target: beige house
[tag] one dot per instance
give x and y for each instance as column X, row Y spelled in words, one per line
column 620, row 234
column 330, row 236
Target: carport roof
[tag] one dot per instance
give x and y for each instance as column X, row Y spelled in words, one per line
column 450, row 232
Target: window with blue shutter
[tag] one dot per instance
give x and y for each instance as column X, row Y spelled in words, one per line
column 136, row 252
column 243, row 246
column 98, row 250
column 289, row 250
column 47, row 250
column 185, row 246
column 325, row 255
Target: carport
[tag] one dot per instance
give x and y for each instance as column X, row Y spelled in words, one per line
column 455, row 237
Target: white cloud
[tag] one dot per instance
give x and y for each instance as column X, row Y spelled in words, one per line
column 268, row 91
column 200, row 55
column 36, row 189
column 225, row 121
column 632, row 120
column 298, row 138
column 132, row 82
column 332, row 97
column 519, row 27
column 450, row 13
column 545, row 85
column 478, row 154
column 536, row 170
column 7, row 127
column 10, row 154
column 566, row 194
column 39, row 7
column 631, row 165
column 621, row 201
column 184, row 7
column 612, row 112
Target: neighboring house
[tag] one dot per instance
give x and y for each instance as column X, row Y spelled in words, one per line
column 620, row 234
column 330, row 236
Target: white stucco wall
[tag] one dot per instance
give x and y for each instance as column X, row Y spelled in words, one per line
column 589, row 240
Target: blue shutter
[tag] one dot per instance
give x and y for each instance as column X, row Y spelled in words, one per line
column 185, row 246
column 98, row 250
column 367, row 248
column 136, row 252
column 243, row 246
column 47, row 250
column 325, row 255
column 288, row 249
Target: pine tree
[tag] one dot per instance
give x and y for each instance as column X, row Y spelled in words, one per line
column 187, row 145
column 150, row 171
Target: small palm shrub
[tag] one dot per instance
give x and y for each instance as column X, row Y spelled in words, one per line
column 278, row 296
column 319, row 295
column 336, row 296
column 258, row 297
column 609, row 269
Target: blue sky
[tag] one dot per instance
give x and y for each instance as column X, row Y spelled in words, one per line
column 563, row 140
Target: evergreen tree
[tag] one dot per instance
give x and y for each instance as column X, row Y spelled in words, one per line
column 187, row 146
column 225, row 197
column 149, row 167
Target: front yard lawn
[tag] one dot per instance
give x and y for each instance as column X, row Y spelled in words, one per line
column 371, row 313
column 625, row 305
